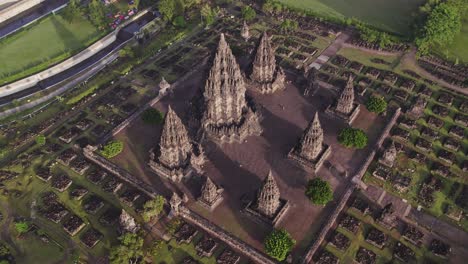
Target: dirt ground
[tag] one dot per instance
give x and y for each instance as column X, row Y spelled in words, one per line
column 240, row 168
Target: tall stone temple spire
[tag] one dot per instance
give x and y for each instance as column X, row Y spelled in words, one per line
column 311, row 141
column 227, row 116
column 268, row 197
column 245, row 32
column 346, row 100
column 265, row 72
column 310, row 151
column 175, row 152
column 210, row 194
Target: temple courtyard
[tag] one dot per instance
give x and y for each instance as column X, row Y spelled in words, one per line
column 240, row 168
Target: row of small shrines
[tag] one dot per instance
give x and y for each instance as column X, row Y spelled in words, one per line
column 228, row 118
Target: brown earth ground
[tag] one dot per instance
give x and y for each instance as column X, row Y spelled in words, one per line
column 240, row 168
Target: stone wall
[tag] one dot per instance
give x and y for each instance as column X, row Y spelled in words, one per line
column 17, row 9
column 226, row 237
column 350, row 189
column 89, row 153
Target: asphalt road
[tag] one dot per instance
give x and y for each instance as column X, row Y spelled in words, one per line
column 125, row 34
column 29, row 16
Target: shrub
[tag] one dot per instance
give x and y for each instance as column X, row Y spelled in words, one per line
column 179, row 22
column 112, row 149
column 352, row 138
column 376, row 104
column 152, row 116
column 41, row 140
column 21, row 227
column 319, row 191
column 278, row 244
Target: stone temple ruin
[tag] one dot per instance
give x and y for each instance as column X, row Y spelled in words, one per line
column 345, row 107
column 312, row 81
column 227, row 117
column 268, row 208
column 245, row 32
column 389, row 156
column 211, row 195
column 311, row 152
column 265, row 72
column 176, row 155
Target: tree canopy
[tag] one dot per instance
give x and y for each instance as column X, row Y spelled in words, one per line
column 97, row 13
column 352, row 138
column 376, row 104
column 129, row 251
column 319, row 191
column 443, row 23
column 152, row 116
column 278, row 244
column 40, row 140
column 209, row 14
column 22, row 227
column 153, row 208
column 248, row 13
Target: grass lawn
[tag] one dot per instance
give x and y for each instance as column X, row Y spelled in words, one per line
column 459, row 48
column 394, row 16
column 42, row 44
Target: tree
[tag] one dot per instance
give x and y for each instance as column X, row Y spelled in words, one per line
column 167, row 9
column 152, row 116
column 376, row 104
column 130, row 250
column 127, row 52
column 319, row 191
column 41, row 140
column 352, row 138
column 288, row 25
column 248, row 13
column 72, row 11
column 278, row 244
column 4, row 250
column 442, row 25
column 21, row 227
column 179, row 22
column 209, row 14
column 157, row 247
column 112, row 149
column 153, row 208
column 97, row 13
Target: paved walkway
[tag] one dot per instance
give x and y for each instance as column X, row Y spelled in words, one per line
column 330, row 51
column 25, row 19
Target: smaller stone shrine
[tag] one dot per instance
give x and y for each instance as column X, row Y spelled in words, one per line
column 345, row 108
column 211, row 195
column 389, row 156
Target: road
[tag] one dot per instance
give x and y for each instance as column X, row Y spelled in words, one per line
column 30, row 16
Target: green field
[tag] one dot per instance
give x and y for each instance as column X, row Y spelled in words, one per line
column 459, row 47
column 42, row 44
column 394, row 16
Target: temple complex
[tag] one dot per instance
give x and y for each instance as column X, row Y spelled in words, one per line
column 389, row 156
column 245, row 32
column 176, row 155
column 345, row 107
column 310, row 152
column 265, row 73
column 227, row 117
column 268, row 206
column 211, row 195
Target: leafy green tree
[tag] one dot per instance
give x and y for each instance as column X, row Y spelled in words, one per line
column 41, row 140
column 319, row 191
column 152, row 116
column 376, row 104
column 130, row 250
column 127, row 52
column 179, row 22
column 288, row 25
column 72, row 11
column 153, row 208
column 97, row 13
column 271, row 6
column 442, row 25
column 157, row 247
column 4, row 261
column 112, row 149
column 209, row 14
column 4, row 250
column 167, row 9
column 248, row 13
column 278, row 244
column 352, row 138
column 21, row 227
